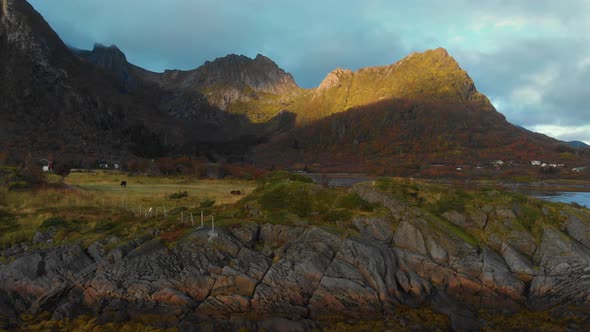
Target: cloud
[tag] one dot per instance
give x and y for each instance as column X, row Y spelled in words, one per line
column 566, row 133
column 531, row 57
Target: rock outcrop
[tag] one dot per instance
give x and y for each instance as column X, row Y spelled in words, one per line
column 296, row 277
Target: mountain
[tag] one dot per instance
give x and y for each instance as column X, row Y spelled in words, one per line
column 233, row 78
column 432, row 75
column 421, row 110
column 578, row 145
column 91, row 104
column 48, row 99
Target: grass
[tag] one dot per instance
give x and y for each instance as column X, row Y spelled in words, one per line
column 148, row 189
column 93, row 205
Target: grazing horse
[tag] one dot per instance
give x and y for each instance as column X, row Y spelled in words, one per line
column 236, row 192
column 124, row 184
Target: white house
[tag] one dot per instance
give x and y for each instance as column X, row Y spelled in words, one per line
column 536, row 162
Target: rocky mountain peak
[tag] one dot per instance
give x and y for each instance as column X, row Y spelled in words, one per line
column 334, row 78
column 260, row 74
column 23, row 30
column 109, row 57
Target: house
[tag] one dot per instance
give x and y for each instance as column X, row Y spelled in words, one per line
column 535, row 162
column 47, row 165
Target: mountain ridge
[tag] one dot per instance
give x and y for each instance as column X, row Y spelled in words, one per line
column 95, row 102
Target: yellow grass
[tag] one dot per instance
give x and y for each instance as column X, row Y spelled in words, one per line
column 97, row 196
column 105, row 186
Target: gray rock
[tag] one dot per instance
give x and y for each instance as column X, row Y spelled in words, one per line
column 408, row 236
column 518, row 262
column 378, row 228
column 578, row 228
column 360, row 280
column 44, row 237
column 497, row 276
column 97, row 251
column 558, row 253
column 438, row 253
column 279, row 233
column 290, row 282
column 233, row 282
column 523, row 241
column 566, row 264
column 247, row 233
column 456, row 218
column 251, row 263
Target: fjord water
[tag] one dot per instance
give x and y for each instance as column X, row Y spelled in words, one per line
column 582, row 198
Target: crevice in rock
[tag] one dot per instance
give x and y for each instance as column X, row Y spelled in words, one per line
column 258, row 284
column 307, row 315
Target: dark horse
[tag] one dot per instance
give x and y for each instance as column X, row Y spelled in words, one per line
column 236, row 192
column 124, row 184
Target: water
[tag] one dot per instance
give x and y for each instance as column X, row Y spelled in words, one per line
column 582, row 198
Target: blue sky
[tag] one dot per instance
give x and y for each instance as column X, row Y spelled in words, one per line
column 530, row 57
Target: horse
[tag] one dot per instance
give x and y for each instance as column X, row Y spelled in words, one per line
column 236, row 192
column 123, row 184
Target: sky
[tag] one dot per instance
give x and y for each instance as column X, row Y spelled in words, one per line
column 530, row 57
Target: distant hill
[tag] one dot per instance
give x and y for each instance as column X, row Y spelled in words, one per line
column 578, row 145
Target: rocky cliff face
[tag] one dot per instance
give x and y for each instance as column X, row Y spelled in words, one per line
column 296, row 277
column 112, row 59
column 229, row 79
